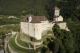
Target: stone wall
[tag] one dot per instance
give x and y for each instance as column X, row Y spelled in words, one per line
column 63, row 25
column 36, row 29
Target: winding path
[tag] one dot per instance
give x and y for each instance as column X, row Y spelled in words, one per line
column 23, row 46
column 11, row 50
column 1, row 51
column 28, row 41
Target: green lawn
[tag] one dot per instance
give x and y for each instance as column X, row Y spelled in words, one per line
column 25, row 36
column 1, row 47
column 15, row 48
column 21, row 42
column 30, row 38
column 19, row 49
column 8, row 49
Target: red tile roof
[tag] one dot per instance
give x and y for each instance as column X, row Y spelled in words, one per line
column 56, row 8
column 35, row 19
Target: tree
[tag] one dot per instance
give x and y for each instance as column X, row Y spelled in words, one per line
column 63, row 38
column 56, row 30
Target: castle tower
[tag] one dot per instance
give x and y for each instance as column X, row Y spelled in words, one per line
column 29, row 18
column 56, row 13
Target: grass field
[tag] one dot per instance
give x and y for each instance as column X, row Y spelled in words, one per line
column 1, row 47
column 19, row 49
column 21, row 42
column 8, row 49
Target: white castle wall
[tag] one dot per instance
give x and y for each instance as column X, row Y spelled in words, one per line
column 31, row 29
column 24, row 27
column 40, row 27
column 27, row 28
column 36, row 29
column 60, row 18
column 56, row 12
column 63, row 25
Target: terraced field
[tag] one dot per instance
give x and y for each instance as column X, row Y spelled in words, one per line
column 19, row 49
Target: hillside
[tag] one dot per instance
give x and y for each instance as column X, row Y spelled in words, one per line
column 18, row 7
column 69, row 9
column 65, row 42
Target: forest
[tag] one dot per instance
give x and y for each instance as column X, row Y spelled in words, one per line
column 69, row 8
column 66, row 42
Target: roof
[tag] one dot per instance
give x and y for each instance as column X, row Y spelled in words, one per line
column 35, row 19
column 56, row 8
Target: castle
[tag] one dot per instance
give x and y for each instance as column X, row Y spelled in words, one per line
column 34, row 26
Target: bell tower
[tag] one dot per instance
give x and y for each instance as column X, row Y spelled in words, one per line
column 56, row 13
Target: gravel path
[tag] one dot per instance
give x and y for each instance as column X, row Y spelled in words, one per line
column 11, row 50
column 1, row 51
column 23, row 46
